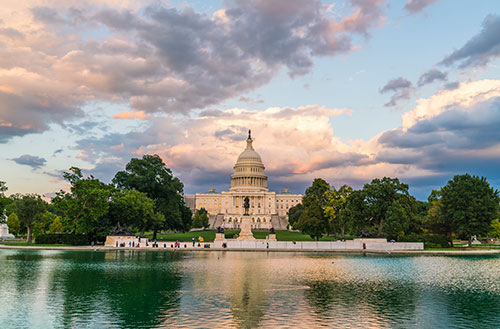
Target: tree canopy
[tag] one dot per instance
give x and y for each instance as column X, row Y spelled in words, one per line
column 150, row 176
column 470, row 204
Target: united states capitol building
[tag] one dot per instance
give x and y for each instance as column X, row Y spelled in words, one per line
column 267, row 209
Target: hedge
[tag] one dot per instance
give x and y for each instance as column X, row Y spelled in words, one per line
column 63, row 238
column 429, row 240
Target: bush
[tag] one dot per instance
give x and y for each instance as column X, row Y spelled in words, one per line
column 429, row 240
column 63, row 238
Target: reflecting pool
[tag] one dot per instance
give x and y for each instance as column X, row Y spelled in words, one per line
column 165, row 289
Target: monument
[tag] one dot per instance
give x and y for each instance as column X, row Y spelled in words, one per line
column 246, row 225
column 4, row 232
column 266, row 209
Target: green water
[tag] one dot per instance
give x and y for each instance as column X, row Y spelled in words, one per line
column 137, row 289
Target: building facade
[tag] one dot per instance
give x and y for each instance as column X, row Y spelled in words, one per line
column 267, row 209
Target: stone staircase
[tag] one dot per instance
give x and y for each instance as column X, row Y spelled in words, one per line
column 279, row 222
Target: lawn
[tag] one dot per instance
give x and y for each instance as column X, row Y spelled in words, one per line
column 210, row 236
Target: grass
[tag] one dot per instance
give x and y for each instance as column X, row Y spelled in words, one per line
column 26, row 244
column 209, row 236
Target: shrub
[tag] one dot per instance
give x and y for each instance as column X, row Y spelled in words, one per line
column 63, row 238
column 429, row 240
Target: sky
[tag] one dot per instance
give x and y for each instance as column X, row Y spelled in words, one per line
column 347, row 91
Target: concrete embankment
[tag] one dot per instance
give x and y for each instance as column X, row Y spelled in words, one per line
column 190, row 248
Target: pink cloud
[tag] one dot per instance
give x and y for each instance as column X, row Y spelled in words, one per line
column 141, row 115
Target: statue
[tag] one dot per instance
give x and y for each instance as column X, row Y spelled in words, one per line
column 249, row 134
column 246, row 205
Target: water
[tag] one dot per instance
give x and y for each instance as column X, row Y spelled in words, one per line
column 137, row 289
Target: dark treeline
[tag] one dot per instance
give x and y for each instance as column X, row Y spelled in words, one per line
column 466, row 206
column 144, row 197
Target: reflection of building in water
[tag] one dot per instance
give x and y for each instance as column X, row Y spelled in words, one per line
column 248, row 301
column 267, row 209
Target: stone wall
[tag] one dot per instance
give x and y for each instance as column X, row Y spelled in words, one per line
column 322, row 245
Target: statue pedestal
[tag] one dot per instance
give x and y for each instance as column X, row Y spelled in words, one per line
column 272, row 237
column 220, row 237
column 246, row 229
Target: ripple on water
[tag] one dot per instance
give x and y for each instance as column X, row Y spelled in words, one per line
column 229, row 289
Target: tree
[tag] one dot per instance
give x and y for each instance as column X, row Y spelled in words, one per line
column 495, row 229
column 355, row 211
column 187, row 218
column 200, row 218
column 134, row 209
column 335, row 204
column 380, row 195
column 29, row 209
column 397, row 220
column 435, row 221
column 42, row 225
column 85, row 204
column 56, row 226
column 313, row 220
column 294, row 214
column 151, row 176
column 13, row 224
column 471, row 204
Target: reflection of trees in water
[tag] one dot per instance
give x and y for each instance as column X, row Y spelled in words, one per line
column 248, row 301
column 364, row 303
column 20, row 274
column 129, row 289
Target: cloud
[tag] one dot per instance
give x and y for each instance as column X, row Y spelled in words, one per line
column 11, row 33
column 431, row 76
column 131, row 115
column 451, row 132
column 481, row 48
column 416, row 6
column 401, row 88
column 34, row 162
column 290, row 140
column 55, row 59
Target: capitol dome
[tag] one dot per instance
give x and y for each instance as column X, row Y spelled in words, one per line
column 249, row 170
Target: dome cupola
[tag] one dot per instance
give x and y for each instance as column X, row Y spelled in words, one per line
column 249, row 170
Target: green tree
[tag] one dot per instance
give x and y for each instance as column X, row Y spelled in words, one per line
column 355, row 211
column 471, row 204
column 187, row 218
column 397, row 220
column 311, row 221
column 151, row 176
column 495, row 229
column 294, row 214
column 29, row 208
column 56, row 226
column 13, row 224
column 380, row 195
column 134, row 209
column 86, row 203
column 43, row 223
column 435, row 221
column 335, row 205
column 200, row 218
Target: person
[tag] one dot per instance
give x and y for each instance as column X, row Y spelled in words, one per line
column 129, row 244
column 364, row 246
column 192, row 240
column 267, row 245
column 201, row 239
column 116, row 243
